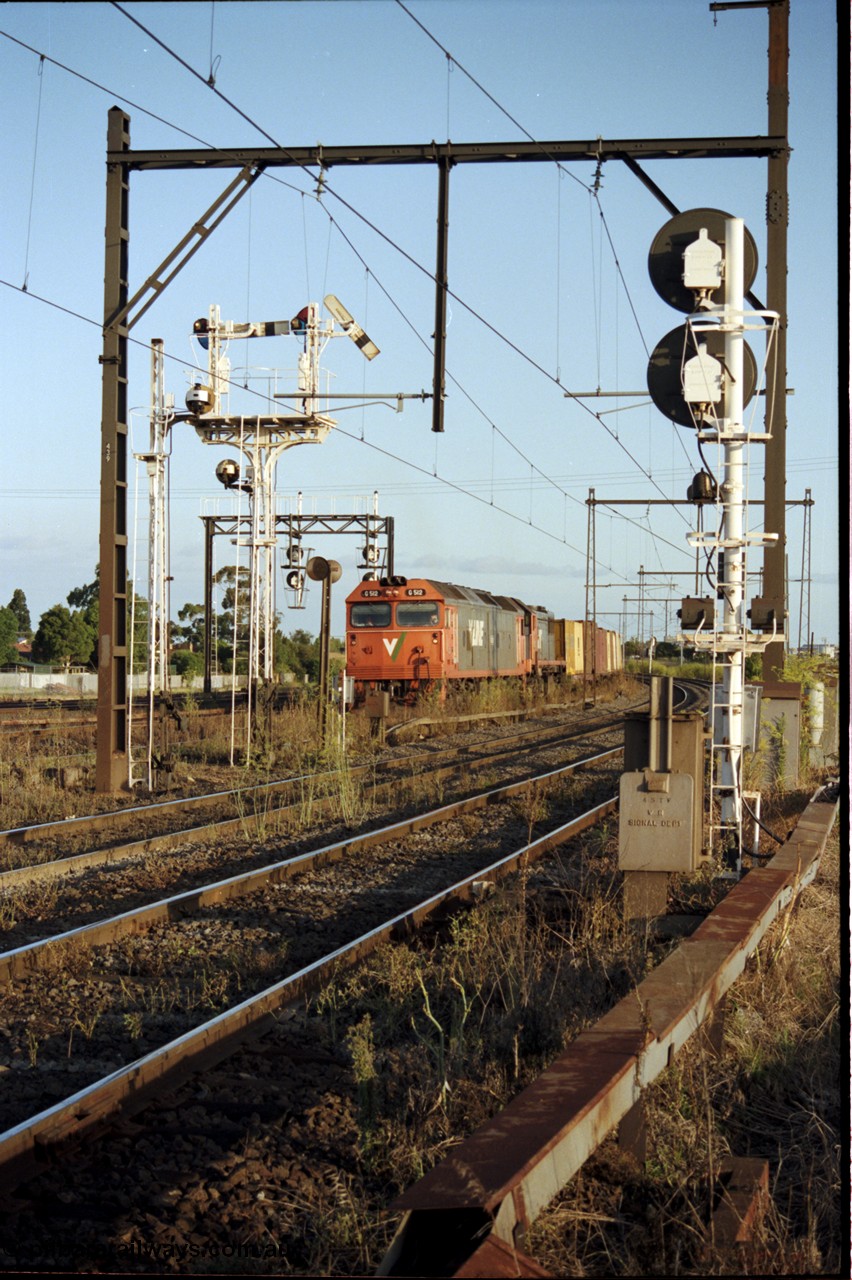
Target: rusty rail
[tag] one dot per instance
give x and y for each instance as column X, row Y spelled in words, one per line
column 240, row 799
column 497, row 1181
column 25, row 1147
column 21, row 961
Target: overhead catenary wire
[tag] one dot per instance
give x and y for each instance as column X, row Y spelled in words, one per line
column 458, row 488
column 327, row 188
column 594, row 190
column 33, row 179
column 549, row 479
column 406, row 462
column 300, row 191
column 461, row 302
column 529, row 137
column 346, row 204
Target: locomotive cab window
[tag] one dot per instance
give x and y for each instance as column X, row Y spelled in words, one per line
column 419, row 613
column 374, row 614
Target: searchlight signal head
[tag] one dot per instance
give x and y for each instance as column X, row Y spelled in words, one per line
column 199, row 399
column 350, row 327
column 200, row 330
column 228, row 473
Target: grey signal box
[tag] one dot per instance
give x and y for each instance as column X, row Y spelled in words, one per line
column 661, row 822
column 655, row 831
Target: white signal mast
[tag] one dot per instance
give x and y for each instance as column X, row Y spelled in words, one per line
column 262, row 438
column 713, row 389
column 156, row 618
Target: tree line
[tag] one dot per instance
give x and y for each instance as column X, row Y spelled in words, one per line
column 67, row 634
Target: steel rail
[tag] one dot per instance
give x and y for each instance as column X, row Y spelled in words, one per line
column 73, row 827
column 24, row 960
column 402, row 726
column 495, row 1183
column 113, row 855
column 25, row 1147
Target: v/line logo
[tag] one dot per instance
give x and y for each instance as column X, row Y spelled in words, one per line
column 394, row 646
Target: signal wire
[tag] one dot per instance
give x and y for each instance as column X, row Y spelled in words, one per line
column 32, row 182
column 195, row 138
column 290, row 186
column 384, row 236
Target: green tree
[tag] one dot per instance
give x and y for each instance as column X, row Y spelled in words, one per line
column 81, row 638
column 9, row 631
column 84, row 597
column 50, row 642
column 63, row 637
column 235, row 597
column 18, row 606
column 299, row 653
column 85, row 601
column 187, row 663
column 192, row 632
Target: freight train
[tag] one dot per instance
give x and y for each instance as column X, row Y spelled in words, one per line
column 407, row 636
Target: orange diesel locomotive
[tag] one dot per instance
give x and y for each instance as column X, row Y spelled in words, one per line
column 407, row 635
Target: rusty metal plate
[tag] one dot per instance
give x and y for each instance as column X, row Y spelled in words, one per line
column 495, row 1259
column 579, row 1086
column 655, row 826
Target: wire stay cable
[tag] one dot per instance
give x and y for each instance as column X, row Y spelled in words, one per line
column 481, row 319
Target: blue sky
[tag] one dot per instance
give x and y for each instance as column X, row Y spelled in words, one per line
column 498, row 501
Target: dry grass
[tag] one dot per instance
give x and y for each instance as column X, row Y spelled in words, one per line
column 774, row 1093
column 440, row 1038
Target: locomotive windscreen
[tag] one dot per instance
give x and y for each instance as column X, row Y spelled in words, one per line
column 420, row 613
column 373, row 614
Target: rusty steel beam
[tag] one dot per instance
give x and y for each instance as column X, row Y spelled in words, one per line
column 498, row 1181
column 744, row 1197
column 111, row 765
column 323, row 157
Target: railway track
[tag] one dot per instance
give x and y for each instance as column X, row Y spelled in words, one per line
column 150, row 972
column 159, row 822
column 115, row 1015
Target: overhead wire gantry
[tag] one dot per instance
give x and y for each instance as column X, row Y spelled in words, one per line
column 122, row 311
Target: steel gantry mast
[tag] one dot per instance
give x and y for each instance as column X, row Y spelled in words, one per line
column 262, row 438
column 121, row 312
